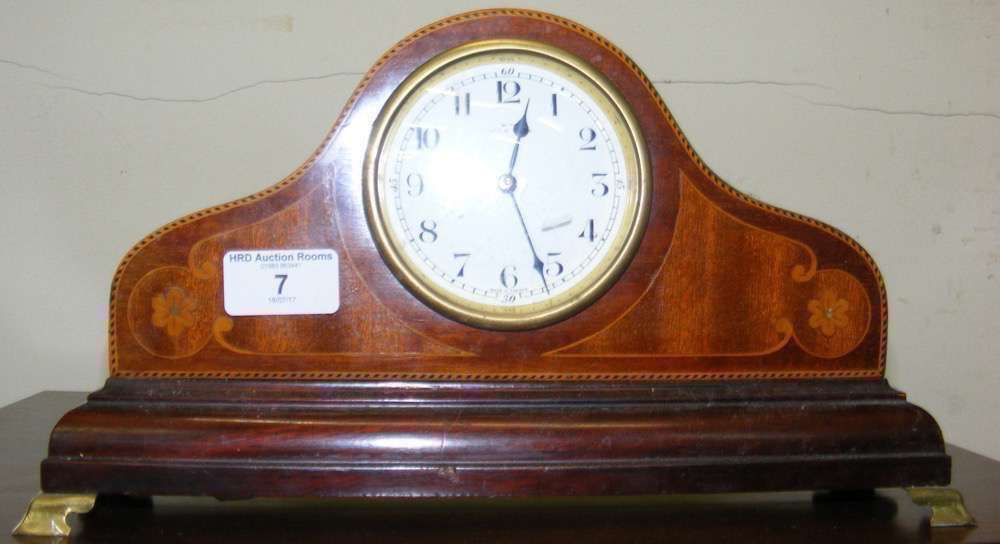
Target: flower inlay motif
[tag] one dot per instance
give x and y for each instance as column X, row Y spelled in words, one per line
column 828, row 313
column 173, row 310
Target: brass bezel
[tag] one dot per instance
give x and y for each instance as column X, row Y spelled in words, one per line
column 445, row 303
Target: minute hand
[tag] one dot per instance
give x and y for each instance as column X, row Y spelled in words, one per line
column 520, row 131
column 538, row 265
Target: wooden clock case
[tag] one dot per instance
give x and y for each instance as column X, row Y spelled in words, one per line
column 742, row 349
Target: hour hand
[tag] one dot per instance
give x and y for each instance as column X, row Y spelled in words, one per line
column 521, row 126
column 520, row 131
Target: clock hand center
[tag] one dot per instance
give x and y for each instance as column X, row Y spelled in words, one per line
column 507, row 183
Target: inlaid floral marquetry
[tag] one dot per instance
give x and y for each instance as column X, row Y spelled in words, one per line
column 173, row 310
column 828, row 313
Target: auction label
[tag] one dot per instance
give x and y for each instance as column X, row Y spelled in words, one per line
column 281, row 282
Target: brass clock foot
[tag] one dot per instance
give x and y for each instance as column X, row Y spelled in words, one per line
column 46, row 515
column 946, row 504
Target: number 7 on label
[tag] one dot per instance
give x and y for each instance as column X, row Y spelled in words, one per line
column 282, row 278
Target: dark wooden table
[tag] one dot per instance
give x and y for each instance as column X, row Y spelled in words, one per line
column 888, row 516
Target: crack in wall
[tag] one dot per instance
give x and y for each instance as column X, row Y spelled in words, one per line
column 31, row 67
column 658, row 81
column 195, row 100
column 223, row 94
column 886, row 111
column 760, row 82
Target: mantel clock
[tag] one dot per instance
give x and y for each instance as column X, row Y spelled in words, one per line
column 504, row 272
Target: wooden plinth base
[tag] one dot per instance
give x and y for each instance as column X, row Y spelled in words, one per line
column 241, row 439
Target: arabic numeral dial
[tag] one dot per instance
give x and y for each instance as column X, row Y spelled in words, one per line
column 509, row 181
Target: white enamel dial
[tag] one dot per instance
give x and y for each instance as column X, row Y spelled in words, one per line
column 507, row 187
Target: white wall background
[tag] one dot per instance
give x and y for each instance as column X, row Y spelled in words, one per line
column 882, row 118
